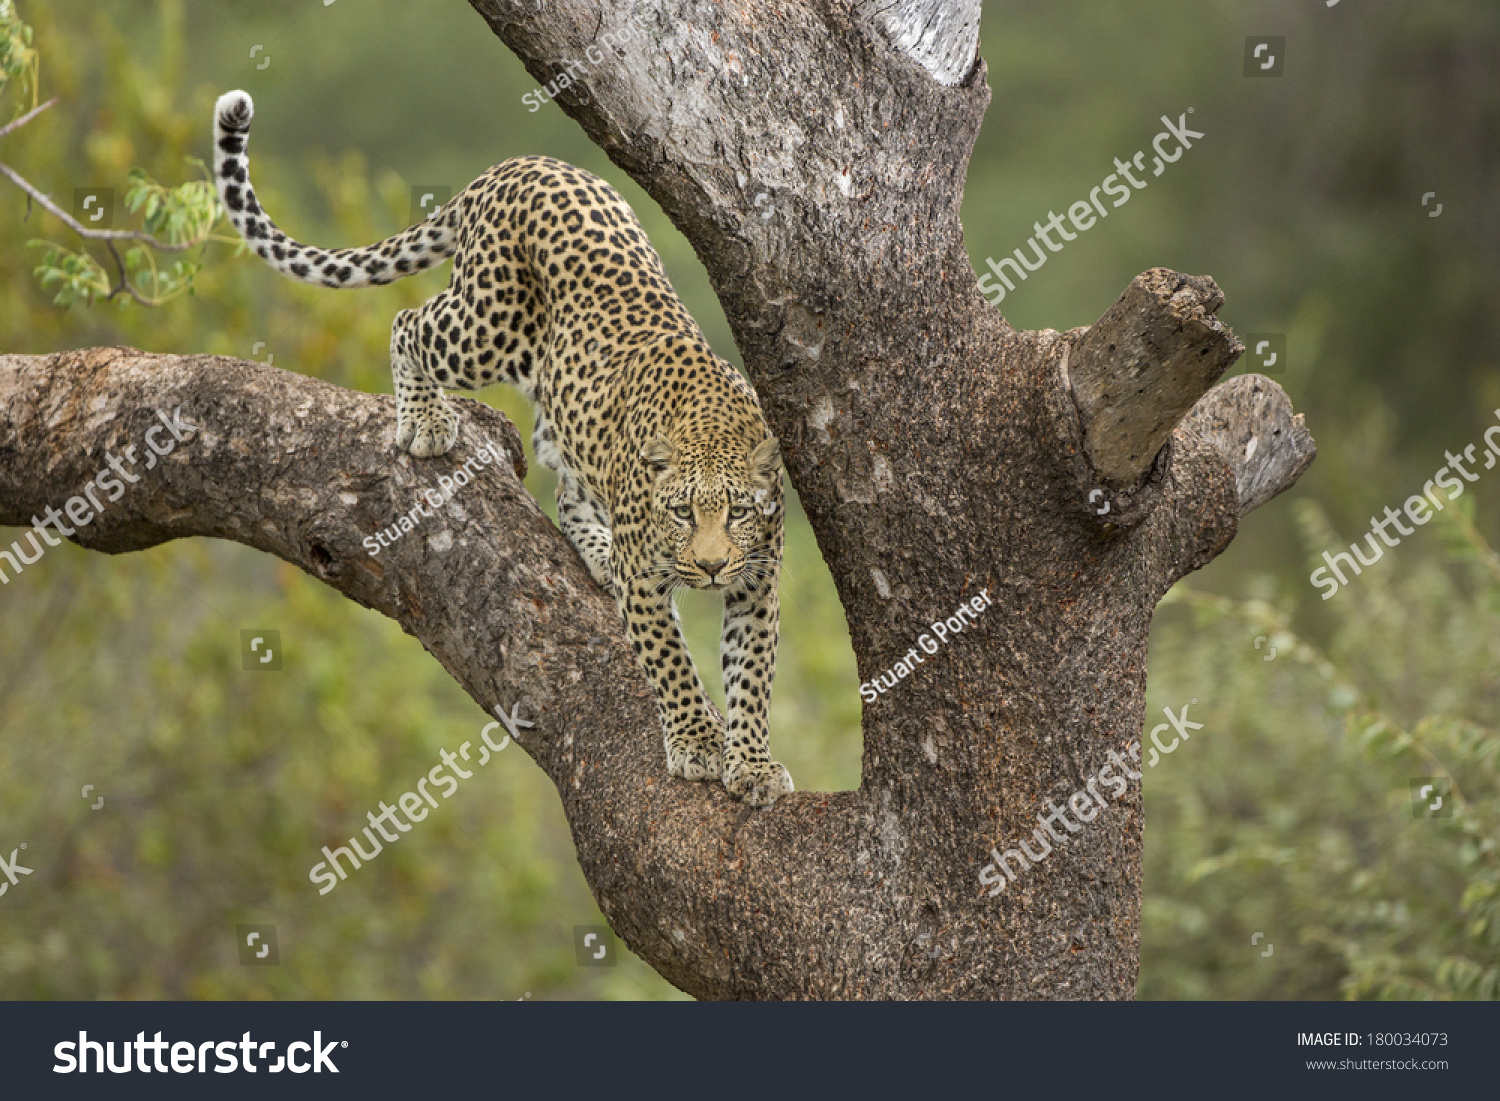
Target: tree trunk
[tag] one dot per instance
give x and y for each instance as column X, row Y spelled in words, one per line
column 814, row 153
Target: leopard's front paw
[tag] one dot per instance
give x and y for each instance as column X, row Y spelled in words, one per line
column 759, row 785
column 696, row 755
column 432, row 432
column 601, row 576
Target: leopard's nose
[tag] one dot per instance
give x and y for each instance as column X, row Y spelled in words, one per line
column 712, row 568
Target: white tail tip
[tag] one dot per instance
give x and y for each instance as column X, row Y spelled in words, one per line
column 234, row 110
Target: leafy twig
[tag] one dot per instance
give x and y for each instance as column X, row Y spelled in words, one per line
column 82, row 230
column 188, row 213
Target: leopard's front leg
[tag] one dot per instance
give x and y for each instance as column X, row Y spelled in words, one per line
column 748, row 650
column 693, row 732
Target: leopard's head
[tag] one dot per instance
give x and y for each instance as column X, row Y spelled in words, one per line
column 715, row 510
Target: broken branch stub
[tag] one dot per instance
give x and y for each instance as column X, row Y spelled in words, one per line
column 942, row 36
column 1249, row 421
column 1139, row 369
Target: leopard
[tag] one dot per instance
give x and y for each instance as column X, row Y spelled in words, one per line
column 668, row 476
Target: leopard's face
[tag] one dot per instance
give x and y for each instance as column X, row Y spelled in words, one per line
column 713, row 517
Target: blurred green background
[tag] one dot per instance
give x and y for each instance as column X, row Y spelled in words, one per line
column 1290, row 814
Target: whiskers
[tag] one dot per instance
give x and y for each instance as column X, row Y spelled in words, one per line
column 670, row 580
column 760, row 566
column 758, row 570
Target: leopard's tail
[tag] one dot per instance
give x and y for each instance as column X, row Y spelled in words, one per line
column 429, row 242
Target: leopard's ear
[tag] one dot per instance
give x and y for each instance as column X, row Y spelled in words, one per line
column 765, row 460
column 659, row 454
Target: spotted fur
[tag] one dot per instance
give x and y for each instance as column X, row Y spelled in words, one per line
column 667, row 473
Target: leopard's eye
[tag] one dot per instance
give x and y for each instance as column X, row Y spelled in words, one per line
column 683, row 512
column 738, row 512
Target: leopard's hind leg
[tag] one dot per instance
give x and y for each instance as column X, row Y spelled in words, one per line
column 426, row 424
column 586, row 525
column 488, row 326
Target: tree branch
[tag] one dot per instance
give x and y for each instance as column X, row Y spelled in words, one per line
column 22, row 120
column 1138, row 369
column 306, row 471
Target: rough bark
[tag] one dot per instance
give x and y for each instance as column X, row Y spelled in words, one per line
column 937, row 452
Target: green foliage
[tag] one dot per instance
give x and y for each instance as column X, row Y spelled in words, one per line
column 181, row 216
column 18, row 59
column 1295, row 815
column 77, row 275
column 173, row 217
column 185, row 214
column 164, row 283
